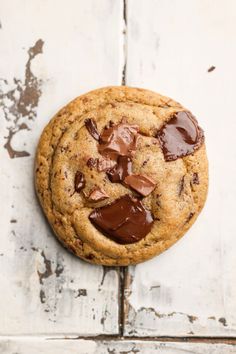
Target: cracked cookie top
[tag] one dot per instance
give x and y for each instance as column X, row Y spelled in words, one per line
column 121, row 174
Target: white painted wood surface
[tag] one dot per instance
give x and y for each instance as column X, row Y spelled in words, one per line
column 190, row 289
column 75, row 47
column 53, row 51
column 39, row 346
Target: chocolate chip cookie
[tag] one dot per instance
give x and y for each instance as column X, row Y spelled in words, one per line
column 121, row 174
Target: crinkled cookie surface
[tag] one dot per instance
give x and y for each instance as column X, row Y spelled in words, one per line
column 121, row 174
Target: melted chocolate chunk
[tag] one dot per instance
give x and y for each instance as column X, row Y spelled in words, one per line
column 118, row 140
column 125, row 220
column 180, row 136
column 122, row 169
column 100, row 164
column 141, row 184
column 92, row 128
column 79, row 182
column 97, row 194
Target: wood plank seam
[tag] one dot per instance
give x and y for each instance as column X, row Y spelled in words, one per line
column 116, row 338
column 125, row 53
column 123, row 270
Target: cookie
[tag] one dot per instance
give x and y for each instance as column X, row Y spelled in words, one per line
column 121, row 174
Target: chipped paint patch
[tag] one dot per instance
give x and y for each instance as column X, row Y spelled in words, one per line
column 19, row 104
column 148, row 317
column 191, row 318
column 211, row 68
column 223, row 321
column 104, row 317
column 211, row 318
column 133, row 350
column 106, row 269
column 111, row 351
column 59, row 270
column 48, row 269
column 51, row 282
column 13, row 221
column 81, row 292
column 42, row 296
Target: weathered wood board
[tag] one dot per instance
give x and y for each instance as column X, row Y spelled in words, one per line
column 50, row 52
column 187, row 50
column 53, row 51
column 112, row 347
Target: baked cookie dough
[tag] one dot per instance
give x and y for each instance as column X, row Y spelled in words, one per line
column 121, row 174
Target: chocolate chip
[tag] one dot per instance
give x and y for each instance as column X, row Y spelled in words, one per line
column 158, row 203
column 79, row 182
column 92, row 128
column 110, row 124
column 118, row 140
column 92, row 163
column 142, row 184
column 181, row 185
column 122, row 169
column 97, row 194
column 125, row 221
column 189, row 217
column 145, row 162
column 180, row 136
column 64, row 148
column 90, row 256
column 195, row 179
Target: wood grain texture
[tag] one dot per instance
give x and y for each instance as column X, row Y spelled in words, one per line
column 187, row 50
column 53, row 51
column 37, row 346
column 50, row 52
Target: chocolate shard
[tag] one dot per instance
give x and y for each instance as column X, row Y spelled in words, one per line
column 125, row 221
column 180, row 136
column 140, row 183
column 105, row 165
column 118, row 140
column 79, row 182
column 181, row 185
column 97, row 194
column 195, row 179
column 100, row 164
column 92, row 163
column 122, row 169
column 190, row 216
column 92, row 128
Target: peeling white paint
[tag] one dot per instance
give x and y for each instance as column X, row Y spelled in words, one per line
column 112, row 347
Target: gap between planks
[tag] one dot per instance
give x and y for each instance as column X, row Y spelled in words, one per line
column 116, row 338
column 123, row 270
